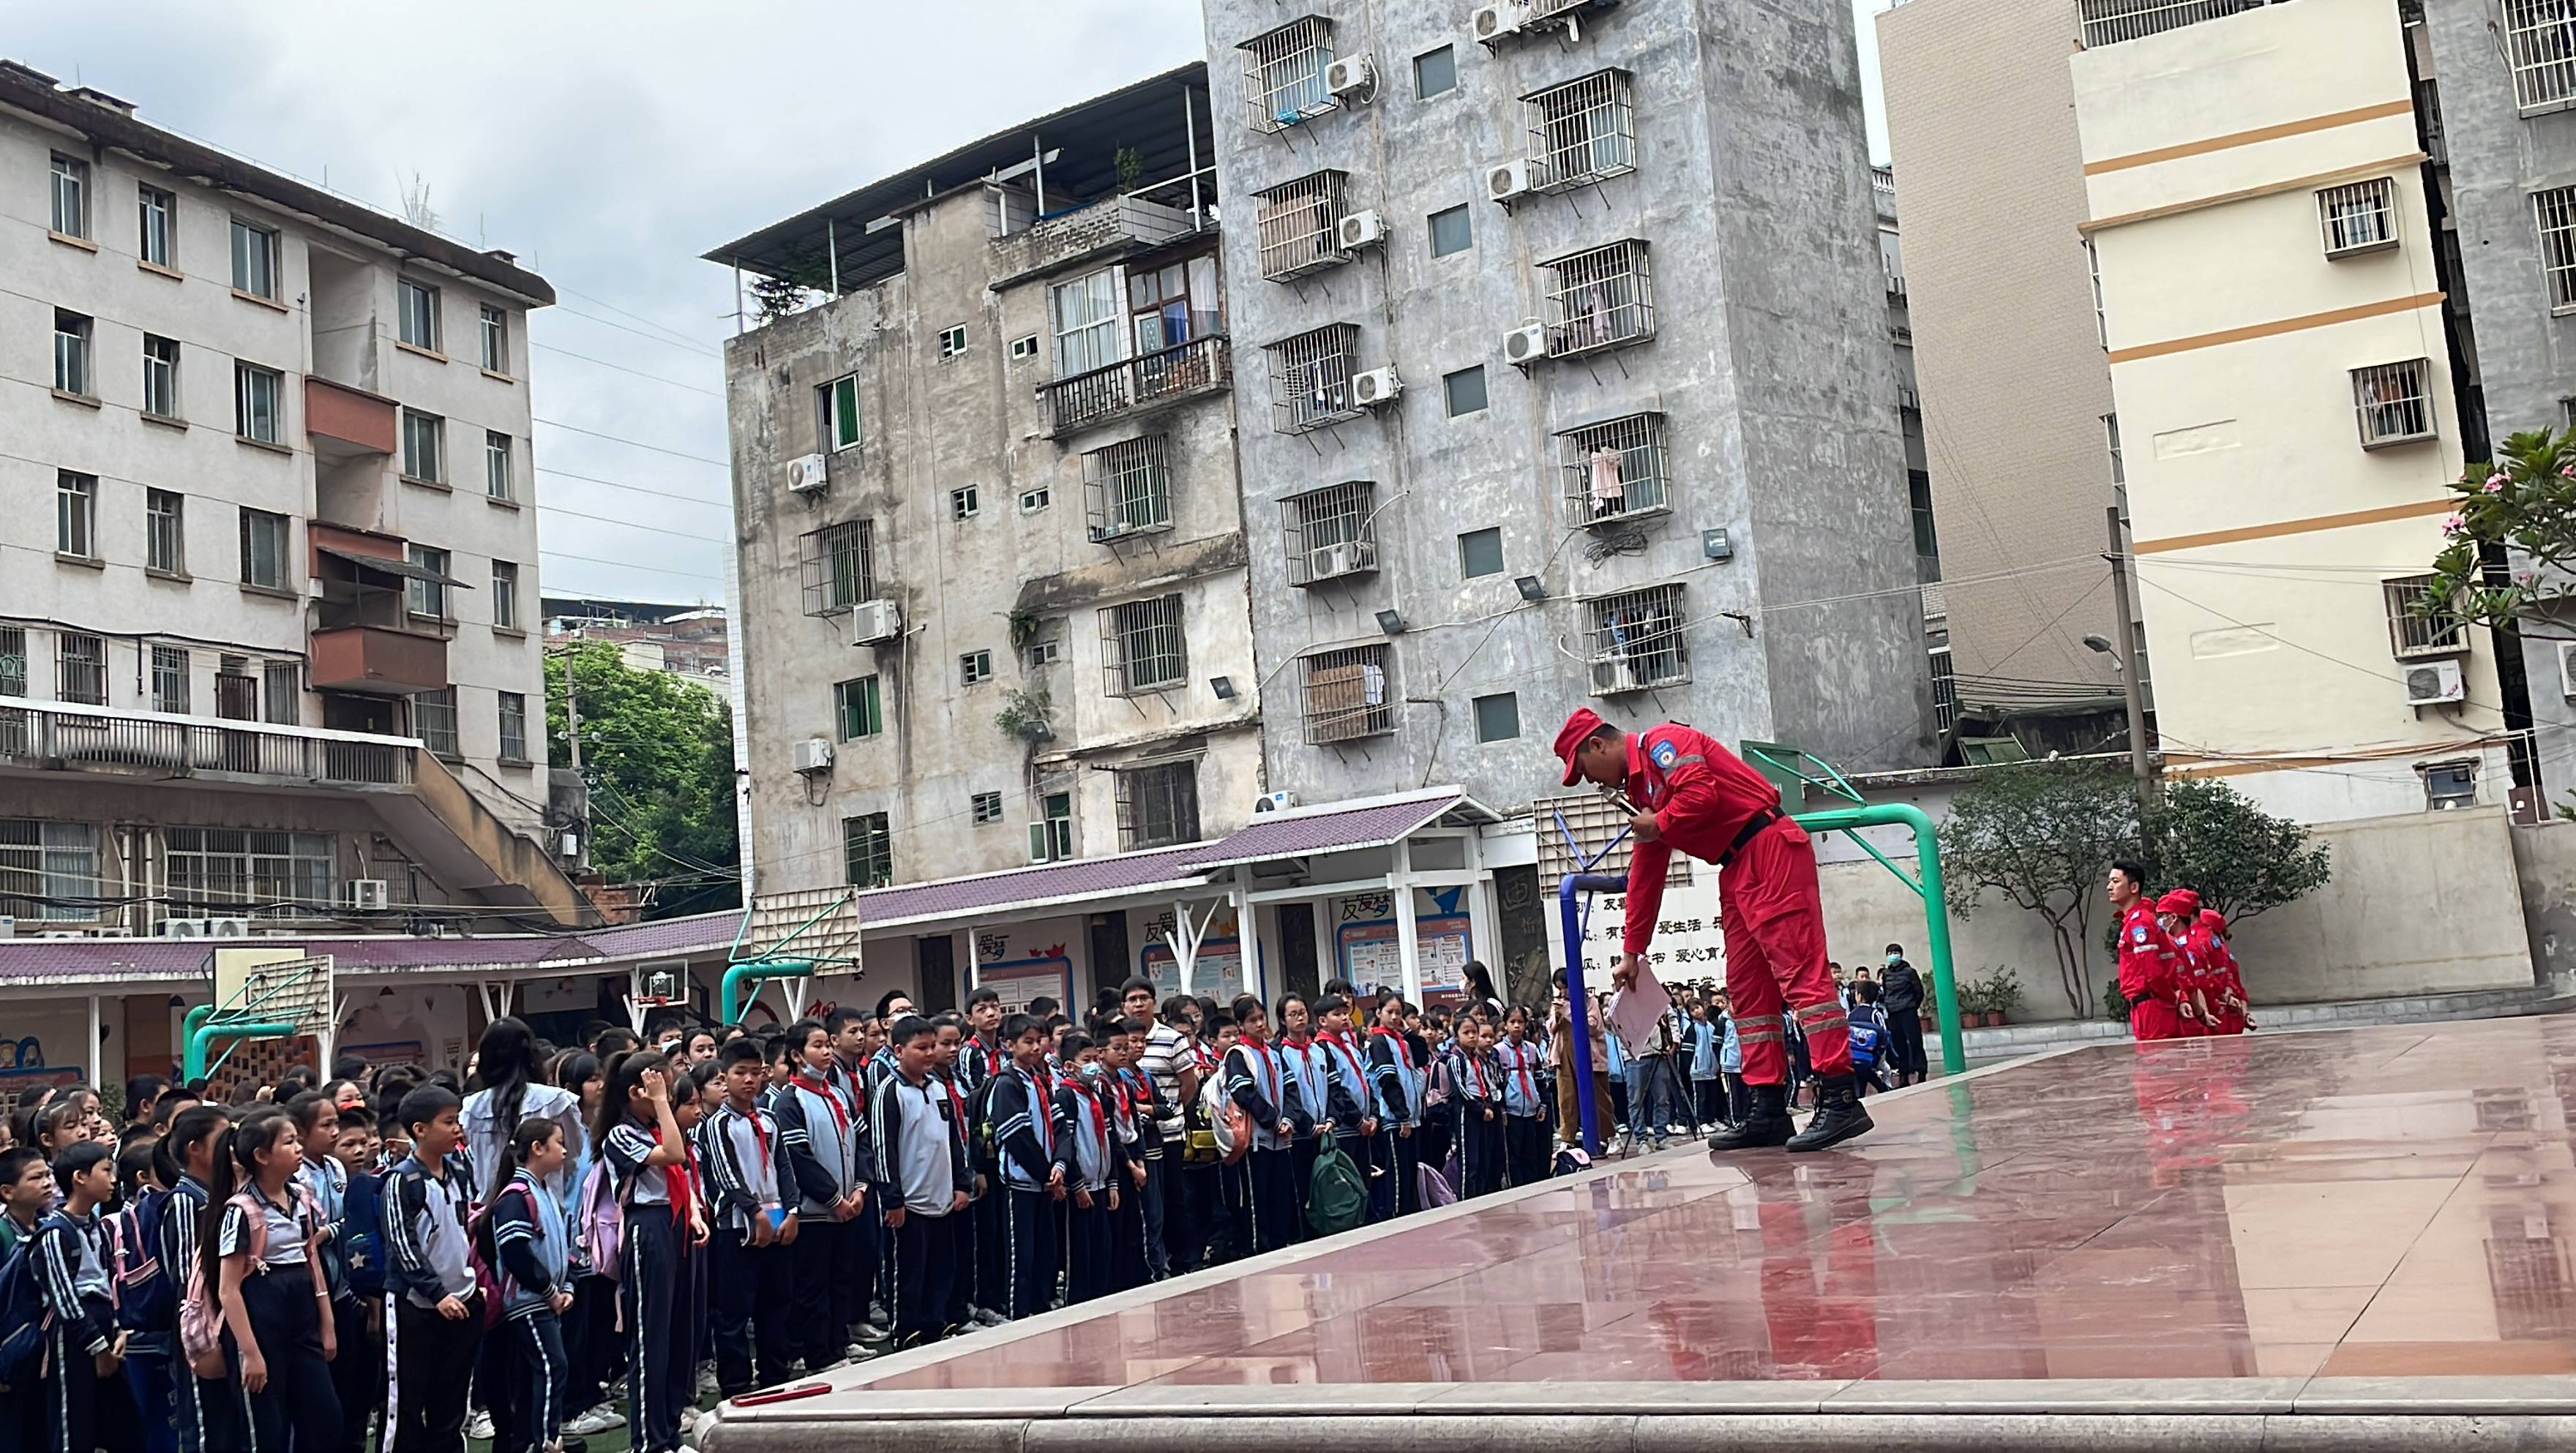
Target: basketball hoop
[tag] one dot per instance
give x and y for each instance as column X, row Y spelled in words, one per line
column 260, row 993
column 655, row 985
column 789, row 938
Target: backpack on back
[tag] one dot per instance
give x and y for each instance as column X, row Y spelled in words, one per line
column 1231, row 1128
column 146, row 1299
column 24, row 1320
column 981, row 1145
column 1336, row 1192
column 362, row 1236
column 599, row 1223
column 201, row 1324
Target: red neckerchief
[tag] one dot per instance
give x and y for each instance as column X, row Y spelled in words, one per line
column 1348, row 1056
column 956, row 1101
column 831, row 1097
column 1099, row 1118
column 1403, row 1048
column 760, row 1135
column 1476, row 1067
column 992, row 1057
column 1521, row 1067
column 1203, row 1056
column 679, row 1181
column 1042, row 1116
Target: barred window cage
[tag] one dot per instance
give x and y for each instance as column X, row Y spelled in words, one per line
column 2393, row 402
column 1127, row 489
column 2540, row 46
column 260, row 872
column 2412, row 633
column 1310, row 378
column 838, row 566
column 80, row 669
column 1141, row 646
column 1300, row 225
column 1283, row 74
column 433, row 720
column 1637, row 641
column 867, row 850
column 2108, row 22
column 1945, row 691
column 1348, row 695
column 1583, row 131
column 1158, row 806
column 1602, row 298
column 2555, row 211
column 1616, row 470
column 1332, row 532
column 2358, row 217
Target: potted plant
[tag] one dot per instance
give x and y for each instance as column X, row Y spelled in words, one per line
column 1972, row 1002
column 2003, row 995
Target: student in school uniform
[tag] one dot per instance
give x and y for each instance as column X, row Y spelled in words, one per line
column 83, row 1404
column 264, row 1273
column 1187, row 1190
column 187, row 1154
column 1094, row 1163
column 1477, row 1092
column 531, row 1253
column 1303, row 1061
column 1517, row 1062
column 739, row 1147
column 325, row 1182
column 922, row 1179
column 1708, row 1082
column 1398, row 1076
column 1349, row 1101
column 821, row 1133
column 1022, row 1120
column 963, row 1258
column 434, row 1325
column 1262, row 1087
column 641, row 1142
column 1128, row 1259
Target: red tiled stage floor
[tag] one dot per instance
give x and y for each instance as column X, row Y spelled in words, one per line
column 2249, row 1218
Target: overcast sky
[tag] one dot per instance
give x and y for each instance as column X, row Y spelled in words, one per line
column 609, row 146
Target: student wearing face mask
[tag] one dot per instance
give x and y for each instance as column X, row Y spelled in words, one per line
column 1900, row 993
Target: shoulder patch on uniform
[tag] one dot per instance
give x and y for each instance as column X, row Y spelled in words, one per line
column 1664, row 753
column 2138, row 934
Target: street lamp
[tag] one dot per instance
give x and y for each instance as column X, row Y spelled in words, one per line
column 2135, row 701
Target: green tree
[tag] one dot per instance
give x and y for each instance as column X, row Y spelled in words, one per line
column 2211, row 838
column 2041, row 836
column 2518, row 507
column 657, row 756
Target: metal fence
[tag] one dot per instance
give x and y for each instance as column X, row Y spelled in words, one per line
column 48, row 736
column 2108, row 22
column 1123, row 387
column 1616, row 470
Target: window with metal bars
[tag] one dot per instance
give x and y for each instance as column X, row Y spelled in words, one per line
column 1283, row 74
column 1637, row 640
column 236, row 690
column 1945, row 691
column 2555, row 212
column 13, row 660
column 838, row 566
column 1300, row 225
column 513, row 717
column 1348, row 695
column 1141, row 646
column 1310, row 378
column 170, row 680
column 80, row 668
column 1616, row 470
column 2411, row 632
column 1158, row 806
column 1600, row 298
column 1127, row 488
column 246, row 870
column 1582, row 131
column 2358, row 216
column 433, row 720
column 867, row 850
column 2393, row 402
column 2540, row 47
column 164, row 533
column 1332, row 532
column 48, row 869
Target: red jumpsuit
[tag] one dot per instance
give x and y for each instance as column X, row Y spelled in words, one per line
column 1704, row 798
column 2150, row 974
column 2226, row 985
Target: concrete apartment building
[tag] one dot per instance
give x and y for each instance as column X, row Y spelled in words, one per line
column 1563, row 379
column 993, row 596
column 270, row 564
column 1918, row 462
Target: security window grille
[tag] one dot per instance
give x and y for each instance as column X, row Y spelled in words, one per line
column 71, row 352
column 514, row 726
column 1310, row 378
column 48, row 870
column 1348, row 695
column 76, row 514
column 2540, row 46
column 263, row 549
column 975, row 668
column 839, row 566
column 1127, row 489
column 867, row 850
column 80, row 669
column 1498, row 717
column 1616, row 470
column 71, row 196
column 2555, row 211
column 417, row 312
column 2358, row 217
column 987, row 806
column 165, row 536
column 256, row 394
column 1945, row 691
column 429, row 597
column 965, row 502
column 236, row 690
column 424, row 445
column 254, row 259
column 836, row 413
column 170, row 680
column 2411, row 632
column 160, row 376
column 283, row 686
column 1583, row 131
column 496, row 465
column 1636, row 640
column 1158, row 806
column 505, row 595
column 13, row 660
column 1600, row 299
column 257, row 872
column 1141, row 646
column 1332, row 532
column 1283, row 73
column 433, row 719
column 858, row 708
column 2393, row 402
column 1300, row 225
column 495, row 328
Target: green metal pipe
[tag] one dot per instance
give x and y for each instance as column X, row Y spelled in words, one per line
column 1936, row 908
column 731, row 999
column 204, row 1035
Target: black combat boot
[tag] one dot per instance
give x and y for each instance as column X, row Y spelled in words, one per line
column 1767, row 1124
column 1839, row 1115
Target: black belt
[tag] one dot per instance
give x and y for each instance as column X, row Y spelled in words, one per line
column 1744, row 834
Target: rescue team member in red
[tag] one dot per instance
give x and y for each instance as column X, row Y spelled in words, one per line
column 2177, row 911
column 2235, row 1016
column 1697, row 796
column 2150, row 964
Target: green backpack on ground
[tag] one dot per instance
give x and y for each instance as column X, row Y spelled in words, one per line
column 1336, row 1192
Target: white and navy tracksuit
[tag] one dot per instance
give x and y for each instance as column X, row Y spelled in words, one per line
column 532, row 1242
column 1024, row 1137
column 205, row 1405
column 1524, row 1111
column 281, row 1292
column 1266, row 1092
column 920, row 1165
column 1094, row 1161
column 820, row 1131
column 753, row 1290
column 1400, row 1084
column 431, row 1358
column 658, row 1380
column 68, row 1256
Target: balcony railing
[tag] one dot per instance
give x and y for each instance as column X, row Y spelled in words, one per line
column 61, row 736
column 1198, row 366
column 2108, row 22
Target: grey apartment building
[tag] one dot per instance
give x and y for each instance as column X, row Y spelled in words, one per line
column 1562, row 378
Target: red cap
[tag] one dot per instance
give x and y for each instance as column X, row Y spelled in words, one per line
column 2181, row 900
column 2216, row 921
column 1577, row 730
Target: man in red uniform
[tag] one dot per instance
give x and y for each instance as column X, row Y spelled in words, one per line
column 2179, row 912
column 2150, row 964
column 1688, row 792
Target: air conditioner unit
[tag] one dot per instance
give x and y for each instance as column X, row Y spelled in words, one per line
column 368, row 895
column 1274, row 802
column 2432, row 683
column 1333, row 560
column 1361, row 229
column 1352, row 75
column 875, row 622
column 808, row 473
column 205, row 928
column 1375, row 387
column 1493, row 22
column 813, row 755
column 2567, row 669
column 1525, row 345
column 1508, row 180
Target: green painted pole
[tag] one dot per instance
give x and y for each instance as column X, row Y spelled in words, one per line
column 731, row 999
column 1936, row 908
column 204, row 1035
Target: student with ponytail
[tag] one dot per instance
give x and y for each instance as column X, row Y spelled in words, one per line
column 186, row 1158
column 263, row 1273
column 528, row 1243
column 642, row 1144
